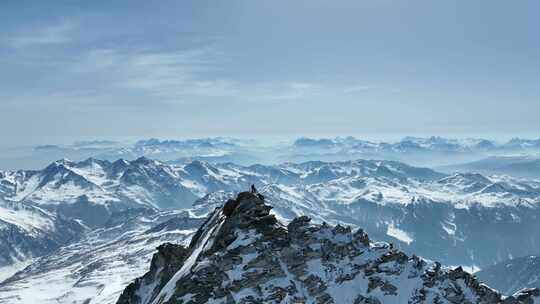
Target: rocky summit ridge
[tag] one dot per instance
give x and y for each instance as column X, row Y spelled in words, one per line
column 243, row 254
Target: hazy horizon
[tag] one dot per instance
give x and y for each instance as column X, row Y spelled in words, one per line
column 265, row 140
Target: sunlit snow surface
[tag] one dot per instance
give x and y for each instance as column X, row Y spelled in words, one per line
column 399, row 234
column 26, row 218
column 142, row 182
column 97, row 268
column 8, row 271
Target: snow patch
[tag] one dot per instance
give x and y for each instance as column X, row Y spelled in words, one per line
column 399, row 234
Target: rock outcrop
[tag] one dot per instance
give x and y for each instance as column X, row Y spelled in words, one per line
column 242, row 254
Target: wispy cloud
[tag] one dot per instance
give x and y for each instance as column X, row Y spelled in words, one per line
column 183, row 76
column 163, row 74
column 295, row 90
column 175, row 74
column 356, row 88
column 57, row 33
column 359, row 88
column 147, row 71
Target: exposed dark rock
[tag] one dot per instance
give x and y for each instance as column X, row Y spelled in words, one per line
column 242, row 254
column 165, row 263
column 229, row 207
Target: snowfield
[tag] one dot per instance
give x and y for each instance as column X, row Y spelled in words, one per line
column 100, row 266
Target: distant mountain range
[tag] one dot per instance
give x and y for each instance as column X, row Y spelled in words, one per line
column 431, row 151
column 55, row 219
column 518, row 166
column 409, row 144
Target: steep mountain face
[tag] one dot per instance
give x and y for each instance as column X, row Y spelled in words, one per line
column 512, row 275
column 243, row 254
column 41, row 211
column 27, row 231
column 97, row 268
column 93, row 189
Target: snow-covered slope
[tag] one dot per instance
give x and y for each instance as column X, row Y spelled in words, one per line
column 97, row 268
column 45, row 209
column 93, row 189
column 101, row 187
column 99, row 182
column 392, row 201
column 27, row 231
column 445, row 219
column 243, row 254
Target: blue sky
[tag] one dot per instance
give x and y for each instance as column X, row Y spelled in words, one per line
column 104, row 69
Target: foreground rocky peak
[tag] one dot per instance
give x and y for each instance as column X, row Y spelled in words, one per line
column 242, row 254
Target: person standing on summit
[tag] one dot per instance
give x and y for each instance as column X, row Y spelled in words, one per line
column 254, row 191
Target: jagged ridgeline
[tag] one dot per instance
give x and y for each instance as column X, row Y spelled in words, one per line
column 243, row 254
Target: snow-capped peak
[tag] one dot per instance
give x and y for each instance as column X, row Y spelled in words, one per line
column 242, row 253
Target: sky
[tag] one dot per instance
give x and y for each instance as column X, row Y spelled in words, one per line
column 118, row 69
